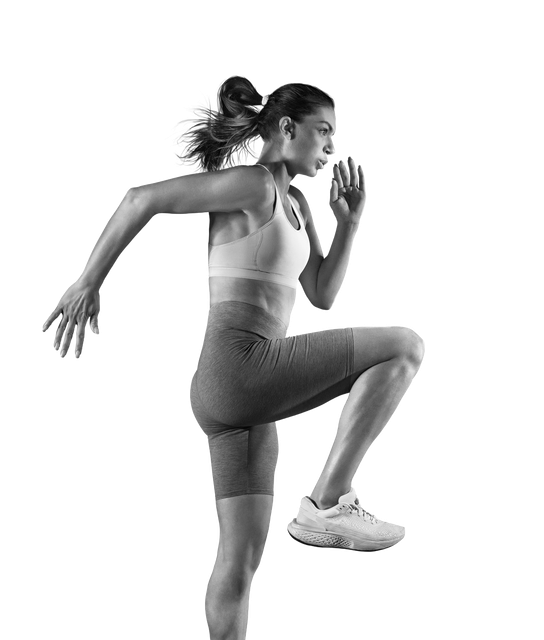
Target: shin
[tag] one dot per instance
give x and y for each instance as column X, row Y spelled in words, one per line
column 372, row 400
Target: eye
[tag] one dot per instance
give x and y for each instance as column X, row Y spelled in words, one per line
column 324, row 131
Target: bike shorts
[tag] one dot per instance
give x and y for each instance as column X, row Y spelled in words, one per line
column 251, row 375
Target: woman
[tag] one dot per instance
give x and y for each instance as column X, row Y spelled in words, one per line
column 262, row 240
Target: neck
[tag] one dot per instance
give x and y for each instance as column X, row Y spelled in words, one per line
column 278, row 167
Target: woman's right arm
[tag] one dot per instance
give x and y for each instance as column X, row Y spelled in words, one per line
column 228, row 190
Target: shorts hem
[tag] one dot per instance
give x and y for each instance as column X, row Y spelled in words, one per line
column 234, row 494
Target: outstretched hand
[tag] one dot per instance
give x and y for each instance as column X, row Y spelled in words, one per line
column 348, row 196
column 77, row 305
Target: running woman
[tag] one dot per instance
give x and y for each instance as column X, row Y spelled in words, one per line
column 262, row 242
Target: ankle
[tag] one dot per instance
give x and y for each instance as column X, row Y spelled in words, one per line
column 326, row 494
column 325, row 504
column 325, row 501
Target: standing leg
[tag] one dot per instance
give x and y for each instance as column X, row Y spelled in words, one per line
column 243, row 523
column 388, row 359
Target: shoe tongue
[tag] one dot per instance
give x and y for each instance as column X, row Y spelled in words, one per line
column 349, row 498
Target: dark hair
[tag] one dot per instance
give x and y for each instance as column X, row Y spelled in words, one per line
column 216, row 135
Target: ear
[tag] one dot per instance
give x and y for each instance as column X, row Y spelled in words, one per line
column 287, row 127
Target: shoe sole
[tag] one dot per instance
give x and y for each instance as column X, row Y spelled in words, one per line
column 317, row 538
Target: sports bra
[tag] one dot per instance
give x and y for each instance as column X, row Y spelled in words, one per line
column 276, row 252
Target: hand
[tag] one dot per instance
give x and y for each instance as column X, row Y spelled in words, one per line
column 348, row 196
column 77, row 305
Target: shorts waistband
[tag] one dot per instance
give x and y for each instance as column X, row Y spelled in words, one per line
column 244, row 315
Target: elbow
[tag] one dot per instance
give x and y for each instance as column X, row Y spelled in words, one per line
column 137, row 195
column 325, row 305
column 320, row 300
column 138, row 198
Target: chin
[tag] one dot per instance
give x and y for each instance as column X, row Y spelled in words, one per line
column 308, row 170
column 311, row 172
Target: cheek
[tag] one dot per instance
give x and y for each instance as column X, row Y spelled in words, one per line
column 311, row 146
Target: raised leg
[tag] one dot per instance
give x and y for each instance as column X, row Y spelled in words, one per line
column 243, row 524
column 388, row 359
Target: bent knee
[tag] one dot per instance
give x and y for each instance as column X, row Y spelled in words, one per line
column 411, row 347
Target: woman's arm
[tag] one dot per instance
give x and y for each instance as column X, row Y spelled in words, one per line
column 333, row 268
column 232, row 189
column 128, row 220
column 323, row 277
column 228, row 190
column 347, row 200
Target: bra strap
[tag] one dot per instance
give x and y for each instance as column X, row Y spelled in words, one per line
column 262, row 165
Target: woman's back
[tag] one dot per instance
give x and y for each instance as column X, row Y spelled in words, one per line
column 240, row 201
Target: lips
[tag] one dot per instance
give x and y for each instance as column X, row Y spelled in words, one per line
column 322, row 163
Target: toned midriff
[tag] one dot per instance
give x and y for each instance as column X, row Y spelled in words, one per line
column 277, row 299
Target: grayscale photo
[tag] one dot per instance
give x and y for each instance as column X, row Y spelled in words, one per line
column 243, row 160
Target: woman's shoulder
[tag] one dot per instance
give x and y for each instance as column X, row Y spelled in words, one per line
column 255, row 179
column 254, row 173
column 244, row 187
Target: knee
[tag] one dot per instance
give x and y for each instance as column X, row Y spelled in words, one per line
column 242, row 563
column 411, row 348
column 237, row 574
column 237, row 580
column 252, row 558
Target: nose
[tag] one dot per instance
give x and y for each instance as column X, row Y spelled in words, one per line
column 329, row 149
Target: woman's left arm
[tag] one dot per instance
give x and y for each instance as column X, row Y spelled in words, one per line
column 323, row 277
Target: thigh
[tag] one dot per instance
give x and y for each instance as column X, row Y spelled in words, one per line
column 243, row 459
column 247, row 381
column 328, row 363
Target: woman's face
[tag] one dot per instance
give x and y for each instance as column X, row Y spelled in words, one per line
column 311, row 142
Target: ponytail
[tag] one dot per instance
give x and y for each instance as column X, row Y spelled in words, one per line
column 216, row 135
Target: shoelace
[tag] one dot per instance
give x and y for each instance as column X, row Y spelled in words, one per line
column 353, row 507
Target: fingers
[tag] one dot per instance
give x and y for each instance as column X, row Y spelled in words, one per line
column 334, row 191
column 70, row 326
column 80, row 335
column 344, row 173
column 338, row 176
column 67, row 338
column 79, row 304
column 94, row 324
column 350, row 176
column 361, row 179
column 60, row 331
column 49, row 320
column 352, row 172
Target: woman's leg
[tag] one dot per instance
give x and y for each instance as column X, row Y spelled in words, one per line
column 388, row 359
column 243, row 524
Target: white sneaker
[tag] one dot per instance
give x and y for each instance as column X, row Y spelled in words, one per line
column 347, row 526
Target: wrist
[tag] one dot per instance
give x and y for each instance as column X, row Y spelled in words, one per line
column 348, row 225
column 89, row 281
